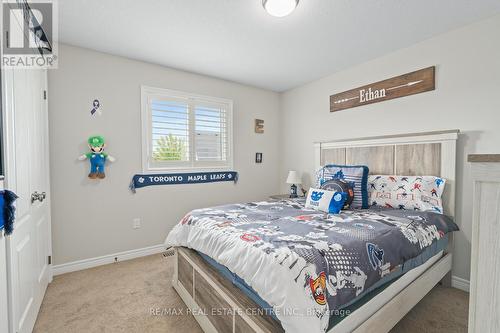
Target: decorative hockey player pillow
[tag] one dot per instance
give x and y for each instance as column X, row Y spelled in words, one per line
column 422, row 193
column 339, row 185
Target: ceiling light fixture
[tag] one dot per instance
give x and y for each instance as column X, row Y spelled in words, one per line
column 280, row 8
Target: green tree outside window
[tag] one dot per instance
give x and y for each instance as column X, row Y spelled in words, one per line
column 170, row 148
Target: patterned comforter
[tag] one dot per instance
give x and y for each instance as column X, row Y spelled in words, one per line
column 305, row 263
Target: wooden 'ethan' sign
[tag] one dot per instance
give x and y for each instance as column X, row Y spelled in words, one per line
column 399, row 86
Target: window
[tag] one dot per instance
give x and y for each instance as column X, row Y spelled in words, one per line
column 185, row 131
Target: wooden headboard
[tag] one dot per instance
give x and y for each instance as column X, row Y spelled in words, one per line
column 416, row 154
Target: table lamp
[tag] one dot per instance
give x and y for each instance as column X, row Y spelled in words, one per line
column 294, row 179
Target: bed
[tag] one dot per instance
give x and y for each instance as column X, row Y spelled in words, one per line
column 215, row 246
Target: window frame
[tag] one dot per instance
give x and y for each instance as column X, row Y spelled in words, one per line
column 149, row 166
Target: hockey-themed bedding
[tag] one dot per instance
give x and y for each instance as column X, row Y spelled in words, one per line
column 308, row 264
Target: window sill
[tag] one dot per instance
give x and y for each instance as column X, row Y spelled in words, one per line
column 187, row 170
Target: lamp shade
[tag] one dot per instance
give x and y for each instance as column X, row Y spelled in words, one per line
column 293, row 178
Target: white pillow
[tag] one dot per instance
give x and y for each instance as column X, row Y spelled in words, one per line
column 421, row 193
column 325, row 201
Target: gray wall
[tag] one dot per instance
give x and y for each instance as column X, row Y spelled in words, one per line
column 466, row 98
column 94, row 218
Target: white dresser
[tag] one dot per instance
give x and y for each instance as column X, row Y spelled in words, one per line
column 484, row 306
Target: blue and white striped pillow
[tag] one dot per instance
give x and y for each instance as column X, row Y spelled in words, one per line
column 357, row 175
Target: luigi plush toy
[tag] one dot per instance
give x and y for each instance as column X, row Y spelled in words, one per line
column 97, row 157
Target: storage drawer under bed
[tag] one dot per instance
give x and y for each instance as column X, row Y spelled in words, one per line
column 216, row 303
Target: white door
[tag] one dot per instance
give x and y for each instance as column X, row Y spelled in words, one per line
column 4, row 314
column 27, row 174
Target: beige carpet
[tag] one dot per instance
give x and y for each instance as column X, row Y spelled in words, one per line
column 122, row 297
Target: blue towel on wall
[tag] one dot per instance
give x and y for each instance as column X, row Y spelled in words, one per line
column 7, row 213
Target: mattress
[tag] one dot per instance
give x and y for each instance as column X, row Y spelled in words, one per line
column 430, row 255
column 308, row 264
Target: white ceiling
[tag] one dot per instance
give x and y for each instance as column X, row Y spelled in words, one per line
column 237, row 40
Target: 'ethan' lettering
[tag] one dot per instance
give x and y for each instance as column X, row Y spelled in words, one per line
column 370, row 95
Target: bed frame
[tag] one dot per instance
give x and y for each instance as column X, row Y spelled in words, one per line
column 219, row 306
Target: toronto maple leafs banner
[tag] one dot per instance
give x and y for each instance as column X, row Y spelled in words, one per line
column 139, row 181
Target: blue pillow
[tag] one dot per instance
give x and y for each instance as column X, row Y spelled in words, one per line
column 357, row 175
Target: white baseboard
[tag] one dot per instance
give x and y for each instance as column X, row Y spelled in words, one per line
column 79, row 265
column 460, row 283
column 104, row 260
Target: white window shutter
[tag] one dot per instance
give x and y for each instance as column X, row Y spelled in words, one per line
column 170, row 130
column 185, row 131
column 211, row 133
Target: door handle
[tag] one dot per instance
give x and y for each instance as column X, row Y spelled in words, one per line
column 34, row 197
column 38, row 196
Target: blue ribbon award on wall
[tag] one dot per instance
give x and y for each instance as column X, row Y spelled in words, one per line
column 139, row 181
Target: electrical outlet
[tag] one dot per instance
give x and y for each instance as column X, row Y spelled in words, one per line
column 136, row 223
